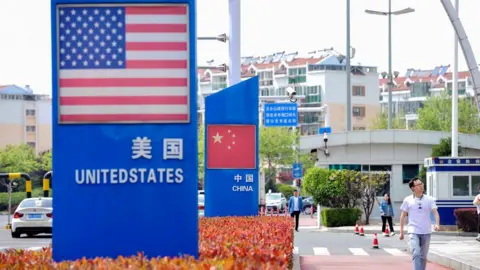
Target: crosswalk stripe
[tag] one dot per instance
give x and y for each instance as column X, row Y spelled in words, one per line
column 321, row 251
column 395, row 251
column 358, row 252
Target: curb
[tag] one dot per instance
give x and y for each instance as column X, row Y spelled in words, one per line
column 296, row 260
column 371, row 231
column 453, row 263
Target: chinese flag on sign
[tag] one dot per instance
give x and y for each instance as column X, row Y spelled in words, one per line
column 231, row 147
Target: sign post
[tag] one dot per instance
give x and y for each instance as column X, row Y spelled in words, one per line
column 297, row 170
column 124, row 128
column 280, row 114
column 231, row 151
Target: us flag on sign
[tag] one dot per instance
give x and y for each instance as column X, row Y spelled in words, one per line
column 123, row 64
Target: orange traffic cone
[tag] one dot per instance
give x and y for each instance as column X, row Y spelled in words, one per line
column 375, row 241
column 386, row 233
column 362, row 232
column 356, row 229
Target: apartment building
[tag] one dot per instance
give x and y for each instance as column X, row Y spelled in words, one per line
column 320, row 79
column 410, row 91
column 25, row 117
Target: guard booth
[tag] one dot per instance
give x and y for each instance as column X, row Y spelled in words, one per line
column 453, row 182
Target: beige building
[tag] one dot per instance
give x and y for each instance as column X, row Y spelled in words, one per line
column 320, row 78
column 25, row 117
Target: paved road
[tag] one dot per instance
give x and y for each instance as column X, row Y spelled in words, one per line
column 324, row 250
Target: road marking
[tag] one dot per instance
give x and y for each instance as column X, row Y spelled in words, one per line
column 321, row 251
column 358, row 252
column 307, row 227
column 295, row 250
column 395, row 252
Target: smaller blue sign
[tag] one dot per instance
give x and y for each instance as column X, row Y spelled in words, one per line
column 297, row 170
column 322, row 130
column 280, row 114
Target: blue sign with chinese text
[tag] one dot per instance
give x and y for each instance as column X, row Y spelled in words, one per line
column 280, row 114
column 323, row 130
column 297, row 170
column 124, row 128
column 231, row 151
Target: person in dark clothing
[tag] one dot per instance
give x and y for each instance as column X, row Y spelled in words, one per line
column 295, row 206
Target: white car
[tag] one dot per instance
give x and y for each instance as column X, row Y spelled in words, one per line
column 33, row 216
column 201, row 205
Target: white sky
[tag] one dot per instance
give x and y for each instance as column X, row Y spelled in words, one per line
column 422, row 39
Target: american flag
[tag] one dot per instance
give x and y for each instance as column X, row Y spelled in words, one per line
column 123, row 64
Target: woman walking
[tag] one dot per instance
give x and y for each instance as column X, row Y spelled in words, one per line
column 476, row 202
column 386, row 210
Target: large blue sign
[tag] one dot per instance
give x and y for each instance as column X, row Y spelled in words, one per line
column 280, row 114
column 124, row 128
column 297, row 170
column 231, row 151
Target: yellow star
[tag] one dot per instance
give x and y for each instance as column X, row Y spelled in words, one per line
column 217, row 138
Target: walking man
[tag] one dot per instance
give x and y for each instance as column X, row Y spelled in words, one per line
column 418, row 207
column 476, row 202
column 295, row 206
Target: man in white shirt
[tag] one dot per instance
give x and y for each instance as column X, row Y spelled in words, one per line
column 476, row 202
column 418, row 207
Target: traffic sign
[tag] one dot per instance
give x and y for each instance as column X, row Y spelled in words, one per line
column 297, row 170
column 124, row 128
column 231, row 151
column 323, row 130
column 280, row 114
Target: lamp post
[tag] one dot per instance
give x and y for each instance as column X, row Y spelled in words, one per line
column 455, row 92
column 390, row 75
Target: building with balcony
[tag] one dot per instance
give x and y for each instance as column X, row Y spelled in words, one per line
column 25, row 117
column 410, row 91
column 320, row 79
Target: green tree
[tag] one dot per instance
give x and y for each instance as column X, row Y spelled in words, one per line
column 370, row 184
column 46, row 161
column 18, row 158
column 436, row 114
column 201, row 155
column 381, row 122
column 325, row 189
column 276, row 148
column 443, row 149
column 287, row 190
column 351, row 182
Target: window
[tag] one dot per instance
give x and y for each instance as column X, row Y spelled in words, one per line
column 460, row 185
column 358, row 128
column 421, row 89
column 30, row 112
column 358, row 111
column 265, row 78
column 30, row 128
column 409, row 171
column 475, row 184
column 297, row 75
column 36, row 203
column 219, row 82
column 358, row 90
column 31, row 144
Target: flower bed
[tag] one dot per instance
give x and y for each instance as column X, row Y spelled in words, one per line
column 225, row 243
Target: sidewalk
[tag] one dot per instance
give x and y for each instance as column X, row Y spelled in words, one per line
column 370, row 229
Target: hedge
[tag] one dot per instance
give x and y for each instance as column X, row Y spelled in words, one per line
column 337, row 217
column 225, row 243
column 17, row 197
column 467, row 219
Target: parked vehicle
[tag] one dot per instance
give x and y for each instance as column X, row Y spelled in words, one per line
column 276, row 201
column 308, row 205
column 33, row 216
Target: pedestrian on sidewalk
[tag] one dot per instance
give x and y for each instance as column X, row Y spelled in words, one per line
column 386, row 210
column 476, row 202
column 295, row 206
column 418, row 207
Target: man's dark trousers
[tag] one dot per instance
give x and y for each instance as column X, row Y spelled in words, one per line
column 296, row 214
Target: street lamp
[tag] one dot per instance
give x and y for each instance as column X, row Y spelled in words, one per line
column 390, row 75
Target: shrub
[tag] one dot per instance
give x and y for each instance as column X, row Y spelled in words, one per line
column 225, row 243
column 287, row 190
column 467, row 219
column 336, row 217
column 17, row 197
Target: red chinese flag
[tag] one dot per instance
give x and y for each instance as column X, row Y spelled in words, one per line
column 231, row 147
